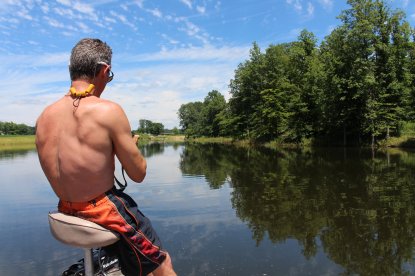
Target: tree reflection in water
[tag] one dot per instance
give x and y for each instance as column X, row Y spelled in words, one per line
column 360, row 205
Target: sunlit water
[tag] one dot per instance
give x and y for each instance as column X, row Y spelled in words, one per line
column 221, row 210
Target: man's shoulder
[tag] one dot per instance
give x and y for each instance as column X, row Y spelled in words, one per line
column 107, row 106
column 50, row 109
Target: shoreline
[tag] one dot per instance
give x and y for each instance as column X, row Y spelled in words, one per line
column 27, row 142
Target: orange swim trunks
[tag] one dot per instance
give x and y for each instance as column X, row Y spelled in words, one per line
column 139, row 250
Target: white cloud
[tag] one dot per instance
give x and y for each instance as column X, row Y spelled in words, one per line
column 78, row 6
column 45, row 8
column 53, row 22
column 109, row 19
column 139, row 3
column 155, row 12
column 159, row 90
column 24, row 14
column 169, row 39
column 84, row 8
column 296, row 4
column 156, row 92
column 205, row 53
column 143, row 87
column 64, row 2
column 188, row 3
column 327, row 4
column 78, row 10
column 121, row 18
column 201, row 9
column 65, row 12
column 84, row 28
column 310, row 9
column 194, row 31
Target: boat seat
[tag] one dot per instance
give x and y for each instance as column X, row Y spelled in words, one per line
column 81, row 233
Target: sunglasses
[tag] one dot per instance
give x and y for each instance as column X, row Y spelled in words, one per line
column 110, row 73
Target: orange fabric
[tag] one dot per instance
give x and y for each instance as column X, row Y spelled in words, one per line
column 117, row 212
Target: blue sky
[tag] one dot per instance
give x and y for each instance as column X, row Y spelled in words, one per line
column 165, row 52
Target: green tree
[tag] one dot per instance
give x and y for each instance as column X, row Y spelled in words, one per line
column 191, row 118
column 305, row 74
column 213, row 104
column 11, row 128
column 273, row 108
column 147, row 126
column 245, row 89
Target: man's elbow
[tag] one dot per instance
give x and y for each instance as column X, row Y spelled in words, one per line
column 139, row 177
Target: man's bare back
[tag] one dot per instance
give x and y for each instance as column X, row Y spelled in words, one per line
column 77, row 139
column 75, row 148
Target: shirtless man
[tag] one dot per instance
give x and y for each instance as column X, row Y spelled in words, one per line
column 77, row 138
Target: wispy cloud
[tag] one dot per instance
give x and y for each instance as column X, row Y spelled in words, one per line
column 145, row 88
column 201, row 9
column 204, row 53
column 157, row 91
column 139, row 3
column 188, row 3
column 310, row 9
column 305, row 8
column 327, row 4
column 296, row 4
column 122, row 18
column 78, row 6
column 156, row 12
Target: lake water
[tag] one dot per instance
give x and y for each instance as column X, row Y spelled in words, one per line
column 221, row 210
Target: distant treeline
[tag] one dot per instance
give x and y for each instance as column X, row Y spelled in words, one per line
column 154, row 128
column 357, row 86
column 10, row 128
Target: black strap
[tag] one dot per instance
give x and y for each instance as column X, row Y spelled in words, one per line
column 121, row 186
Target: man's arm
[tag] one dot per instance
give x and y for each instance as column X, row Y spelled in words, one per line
column 124, row 145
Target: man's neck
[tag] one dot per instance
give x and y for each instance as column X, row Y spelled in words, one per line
column 83, row 85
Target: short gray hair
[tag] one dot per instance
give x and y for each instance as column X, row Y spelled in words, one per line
column 85, row 57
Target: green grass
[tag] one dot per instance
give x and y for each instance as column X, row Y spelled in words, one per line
column 405, row 141
column 17, row 142
column 205, row 140
column 147, row 138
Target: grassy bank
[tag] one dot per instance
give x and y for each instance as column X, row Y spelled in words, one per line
column 205, row 140
column 146, row 138
column 17, row 142
column 27, row 142
column 20, row 142
column 404, row 141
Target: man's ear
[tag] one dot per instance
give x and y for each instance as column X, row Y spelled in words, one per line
column 103, row 73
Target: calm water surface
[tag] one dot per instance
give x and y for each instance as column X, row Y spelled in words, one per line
column 221, row 210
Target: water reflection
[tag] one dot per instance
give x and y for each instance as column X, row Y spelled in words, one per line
column 152, row 149
column 10, row 154
column 222, row 210
column 358, row 205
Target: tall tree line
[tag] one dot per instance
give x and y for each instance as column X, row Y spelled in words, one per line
column 357, row 86
column 11, row 128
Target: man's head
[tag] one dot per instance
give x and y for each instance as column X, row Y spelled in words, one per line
column 87, row 58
